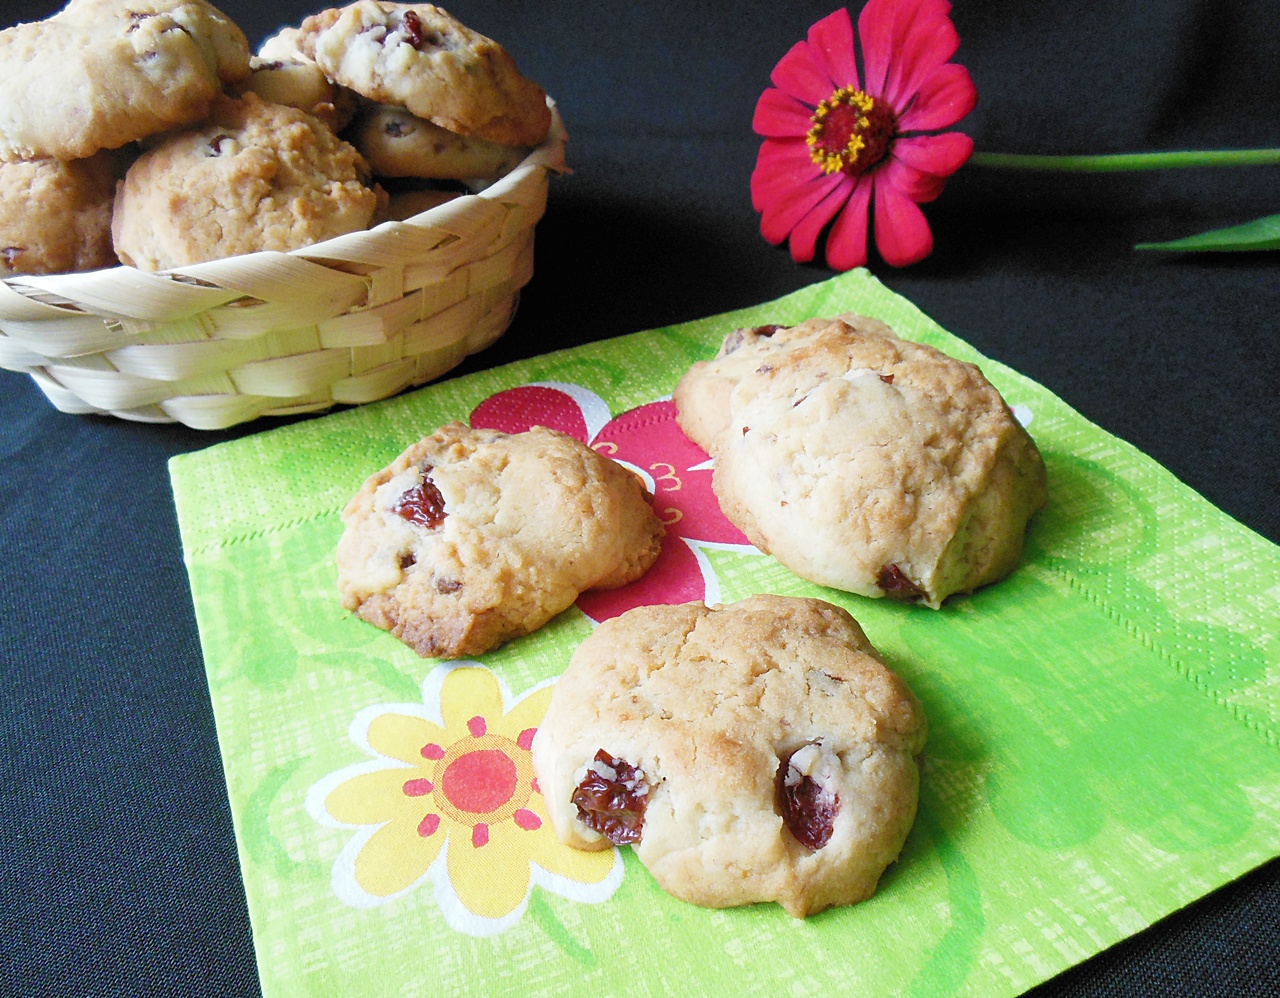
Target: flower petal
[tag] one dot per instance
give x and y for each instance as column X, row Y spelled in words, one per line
column 518, row 409
column 927, row 42
column 546, row 849
column 491, row 880
column 786, row 213
column 650, row 438
column 800, row 76
column 394, row 858
column 804, row 237
column 831, row 46
column 847, row 243
column 779, row 115
column 527, row 713
column 940, row 155
column 915, row 184
column 781, row 166
column 903, row 43
column 468, row 692
column 944, row 98
column 902, row 234
column 401, row 736
column 376, row 796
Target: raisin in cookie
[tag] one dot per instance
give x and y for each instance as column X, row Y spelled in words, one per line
column 473, row 537
column 759, row 751
column 100, row 74
column 256, row 176
column 420, row 57
column 863, row 461
column 55, row 217
column 399, row 144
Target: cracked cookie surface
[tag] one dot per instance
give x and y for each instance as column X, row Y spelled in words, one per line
column 420, row 57
column 760, row 751
column 863, row 461
column 256, row 176
column 473, row 537
column 100, row 74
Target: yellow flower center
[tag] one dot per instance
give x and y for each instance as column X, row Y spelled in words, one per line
column 851, row 131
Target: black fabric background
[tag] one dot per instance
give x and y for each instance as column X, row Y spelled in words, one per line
column 118, row 870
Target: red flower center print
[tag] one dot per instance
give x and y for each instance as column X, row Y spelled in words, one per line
column 675, row 470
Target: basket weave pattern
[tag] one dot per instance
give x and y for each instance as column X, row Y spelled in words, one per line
column 346, row 321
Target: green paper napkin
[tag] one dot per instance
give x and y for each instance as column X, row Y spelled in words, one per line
column 1103, row 744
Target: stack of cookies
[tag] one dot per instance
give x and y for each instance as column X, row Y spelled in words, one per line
column 147, row 133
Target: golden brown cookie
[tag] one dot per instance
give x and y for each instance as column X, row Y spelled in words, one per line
column 420, row 57
column 302, row 85
column 399, row 144
column 55, row 217
column 101, row 73
column 473, row 537
column 256, row 176
column 863, row 461
column 760, row 751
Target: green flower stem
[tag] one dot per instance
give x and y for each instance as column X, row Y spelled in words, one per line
column 1115, row 162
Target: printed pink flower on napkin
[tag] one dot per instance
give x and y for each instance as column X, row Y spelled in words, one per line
column 677, row 472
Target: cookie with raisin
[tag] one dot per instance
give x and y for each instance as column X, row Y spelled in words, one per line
column 473, row 537
column 863, row 461
column 760, row 751
column 255, row 176
column 301, row 84
column 422, row 58
column 55, row 216
column 100, row 74
column 399, row 144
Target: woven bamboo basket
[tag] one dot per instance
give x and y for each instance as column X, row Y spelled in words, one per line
column 345, row 321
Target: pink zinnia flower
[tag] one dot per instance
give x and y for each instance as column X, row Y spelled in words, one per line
column 835, row 142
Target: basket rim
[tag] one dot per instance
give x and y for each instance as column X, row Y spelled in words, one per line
column 548, row 156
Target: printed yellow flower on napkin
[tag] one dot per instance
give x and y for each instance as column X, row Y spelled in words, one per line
column 451, row 797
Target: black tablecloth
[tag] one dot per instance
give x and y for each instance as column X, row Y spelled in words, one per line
column 119, row 871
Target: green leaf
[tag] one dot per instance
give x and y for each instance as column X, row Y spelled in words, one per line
column 1260, row 234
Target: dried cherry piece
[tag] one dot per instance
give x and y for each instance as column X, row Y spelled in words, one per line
column 413, row 29
column 423, row 504
column 896, row 585
column 808, row 809
column 611, row 799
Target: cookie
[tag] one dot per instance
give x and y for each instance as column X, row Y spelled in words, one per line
column 420, row 57
column 473, row 537
column 55, row 216
column 256, row 176
column 283, row 46
column 100, row 74
column 760, row 751
column 399, row 144
column 863, row 461
column 302, row 85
